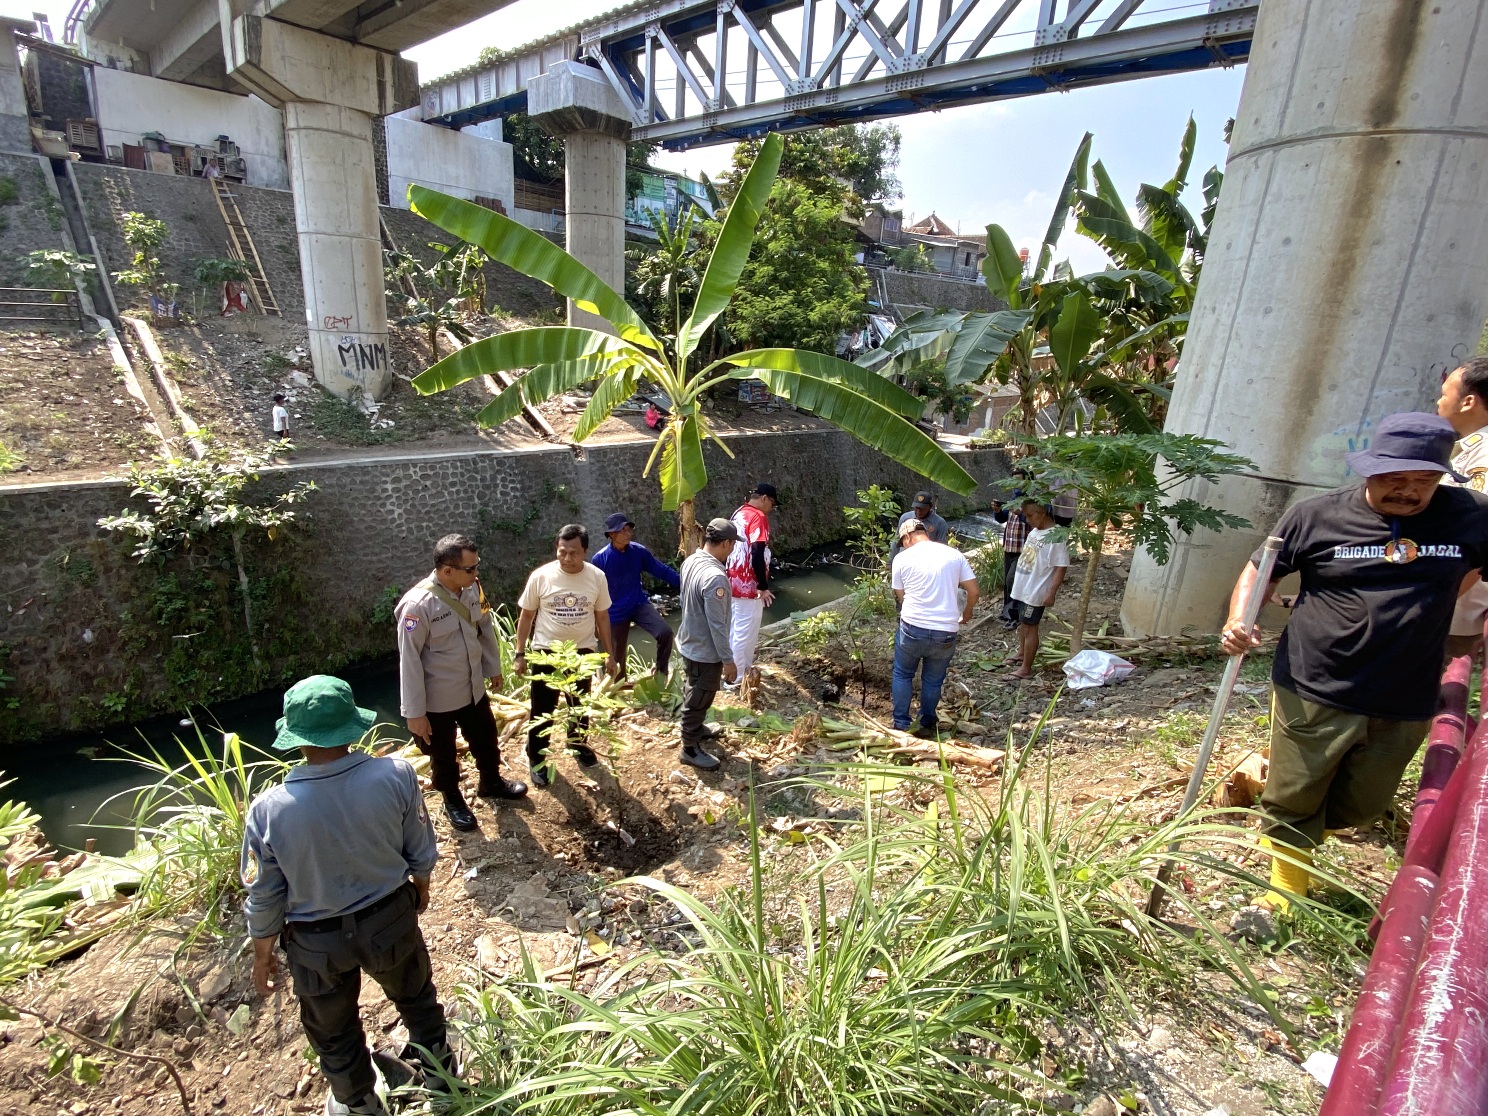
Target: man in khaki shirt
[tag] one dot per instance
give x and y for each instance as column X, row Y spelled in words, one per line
column 564, row 601
column 446, row 652
column 1464, row 403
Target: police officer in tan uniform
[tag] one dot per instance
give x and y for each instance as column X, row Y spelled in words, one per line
column 1464, row 403
column 446, row 652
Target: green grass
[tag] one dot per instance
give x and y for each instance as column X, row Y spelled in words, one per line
column 188, row 828
column 911, row 966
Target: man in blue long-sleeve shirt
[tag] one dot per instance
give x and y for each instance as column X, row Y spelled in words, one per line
column 336, row 861
column 623, row 561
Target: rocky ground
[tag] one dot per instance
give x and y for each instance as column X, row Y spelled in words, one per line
column 543, row 876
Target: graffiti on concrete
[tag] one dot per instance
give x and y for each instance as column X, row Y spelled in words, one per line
column 332, row 322
column 362, row 354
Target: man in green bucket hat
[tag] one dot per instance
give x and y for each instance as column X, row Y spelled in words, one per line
column 336, row 860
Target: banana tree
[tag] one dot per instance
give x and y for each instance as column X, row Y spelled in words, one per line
column 1003, row 344
column 1144, row 339
column 556, row 359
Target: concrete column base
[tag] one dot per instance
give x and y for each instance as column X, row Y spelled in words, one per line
column 1344, row 275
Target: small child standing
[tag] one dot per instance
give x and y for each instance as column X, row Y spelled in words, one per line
column 281, row 419
column 1041, row 569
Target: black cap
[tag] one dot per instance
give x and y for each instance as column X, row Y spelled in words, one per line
column 1412, row 441
column 764, row 488
column 720, row 530
column 923, row 500
column 616, row 520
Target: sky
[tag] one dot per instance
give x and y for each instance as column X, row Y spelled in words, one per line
column 1000, row 162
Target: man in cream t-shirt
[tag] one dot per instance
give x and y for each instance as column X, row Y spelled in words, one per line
column 925, row 578
column 567, row 600
column 1041, row 569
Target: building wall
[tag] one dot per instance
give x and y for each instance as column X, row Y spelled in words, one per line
column 456, row 163
column 918, row 290
column 369, row 526
column 132, row 104
column 15, row 116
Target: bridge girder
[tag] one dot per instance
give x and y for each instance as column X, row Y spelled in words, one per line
column 695, row 72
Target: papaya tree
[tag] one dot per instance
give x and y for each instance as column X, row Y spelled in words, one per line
column 1125, row 482
column 555, row 359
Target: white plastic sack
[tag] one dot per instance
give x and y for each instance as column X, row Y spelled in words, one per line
column 1096, row 668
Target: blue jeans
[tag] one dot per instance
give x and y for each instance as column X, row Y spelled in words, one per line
column 929, row 652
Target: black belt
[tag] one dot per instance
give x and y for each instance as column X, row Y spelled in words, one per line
column 329, row 925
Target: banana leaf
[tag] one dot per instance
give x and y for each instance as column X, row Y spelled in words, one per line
column 612, row 391
column 523, row 250
column 1003, row 268
column 884, row 392
column 1120, row 401
column 1106, row 189
column 731, row 251
column 522, row 348
column 1074, row 181
column 683, row 472
column 1124, row 242
column 980, row 341
column 541, row 383
column 870, row 423
column 1071, row 336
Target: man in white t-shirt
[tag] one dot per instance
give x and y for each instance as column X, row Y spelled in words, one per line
column 1041, row 569
column 926, row 577
column 565, row 601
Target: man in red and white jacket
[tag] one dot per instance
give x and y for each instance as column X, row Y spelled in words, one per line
column 749, row 572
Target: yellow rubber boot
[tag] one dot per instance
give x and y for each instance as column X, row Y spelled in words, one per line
column 1288, row 880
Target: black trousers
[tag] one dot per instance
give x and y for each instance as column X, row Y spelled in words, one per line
column 478, row 726
column 1009, row 569
column 700, row 687
column 326, row 962
column 648, row 620
column 544, row 702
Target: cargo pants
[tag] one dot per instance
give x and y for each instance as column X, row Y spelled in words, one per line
column 1330, row 769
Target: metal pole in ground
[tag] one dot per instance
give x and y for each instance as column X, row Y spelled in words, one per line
column 1258, row 593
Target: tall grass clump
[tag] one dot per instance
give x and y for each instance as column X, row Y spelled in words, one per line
column 188, row 827
column 912, row 968
column 856, row 1005
column 30, row 910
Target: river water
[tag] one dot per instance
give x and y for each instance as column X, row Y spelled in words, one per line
column 71, row 781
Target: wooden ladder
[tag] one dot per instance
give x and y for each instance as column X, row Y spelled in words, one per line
column 240, row 247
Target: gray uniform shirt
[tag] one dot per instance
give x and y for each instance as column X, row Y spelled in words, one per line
column 703, row 635
column 333, row 838
column 443, row 662
column 935, row 526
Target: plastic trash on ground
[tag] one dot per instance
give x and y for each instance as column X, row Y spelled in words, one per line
column 1096, row 668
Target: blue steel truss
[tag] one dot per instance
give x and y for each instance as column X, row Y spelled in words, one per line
column 695, row 72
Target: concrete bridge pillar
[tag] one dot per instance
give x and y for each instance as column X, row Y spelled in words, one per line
column 329, row 91
column 576, row 103
column 1345, row 272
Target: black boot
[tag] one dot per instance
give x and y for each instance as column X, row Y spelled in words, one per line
column 459, row 814
column 498, row 787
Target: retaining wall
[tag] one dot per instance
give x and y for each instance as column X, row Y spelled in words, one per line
column 67, row 588
column 912, row 290
column 32, row 221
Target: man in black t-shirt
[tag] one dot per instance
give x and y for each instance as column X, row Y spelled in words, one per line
column 1356, row 674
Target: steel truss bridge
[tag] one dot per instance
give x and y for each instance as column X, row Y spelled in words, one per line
column 695, row 72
